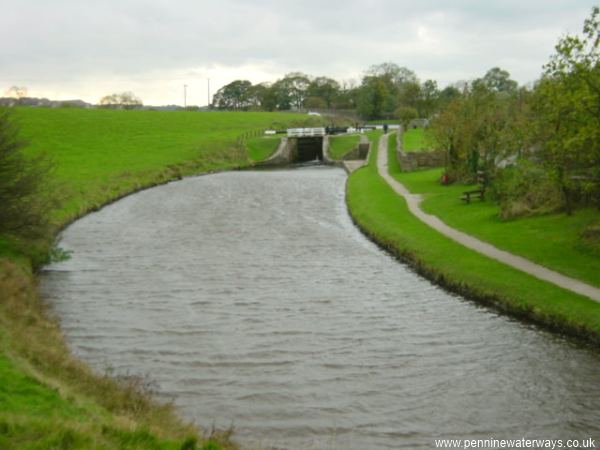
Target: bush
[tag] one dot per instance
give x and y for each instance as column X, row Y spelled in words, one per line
column 25, row 198
column 526, row 189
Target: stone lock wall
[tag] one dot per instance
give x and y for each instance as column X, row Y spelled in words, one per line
column 410, row 161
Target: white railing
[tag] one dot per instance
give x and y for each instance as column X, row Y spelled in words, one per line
column 305, row 132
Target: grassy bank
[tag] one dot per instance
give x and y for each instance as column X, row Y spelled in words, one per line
column 551, row 240
column 48, row 399
column 417, row 139
column 384, row 216
column 260, row 148
column 342, row 144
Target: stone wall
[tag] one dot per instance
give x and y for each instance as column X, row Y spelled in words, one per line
column 360, row 151
column 284, row 155
column 410, row 161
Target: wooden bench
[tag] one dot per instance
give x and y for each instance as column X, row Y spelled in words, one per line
column 478, row 193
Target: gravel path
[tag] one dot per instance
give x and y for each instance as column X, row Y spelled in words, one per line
column 469, row 241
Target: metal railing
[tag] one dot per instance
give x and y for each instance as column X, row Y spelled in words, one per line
column 306, row 132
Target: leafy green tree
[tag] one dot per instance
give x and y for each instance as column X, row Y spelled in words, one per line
column 567, row 108
column 279, row 96
column 409, row 94
column 372, row 98
column 235, row 95
column 447, row 95
column 428, row 99
column 324, row 88
column 479, row 129
column 393, row 73
column 498, row 80
column 405, row 114
column 295, row 85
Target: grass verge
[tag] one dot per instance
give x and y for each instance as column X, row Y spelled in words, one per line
column 384, row 217
column 48, row 399
column 260, row 148
column 552, row 240
column 342, row 144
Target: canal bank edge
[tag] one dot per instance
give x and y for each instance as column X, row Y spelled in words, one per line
column 119, row 410
column 383, row 217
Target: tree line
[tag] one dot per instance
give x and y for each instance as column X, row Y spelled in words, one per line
column 539, row 145
column 386, row 91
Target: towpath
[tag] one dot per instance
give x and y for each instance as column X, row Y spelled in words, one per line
column 518, row 262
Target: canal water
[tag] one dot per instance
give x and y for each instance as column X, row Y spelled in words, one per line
column 249, row 298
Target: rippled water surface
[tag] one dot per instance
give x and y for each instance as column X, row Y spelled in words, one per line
column 251, row 299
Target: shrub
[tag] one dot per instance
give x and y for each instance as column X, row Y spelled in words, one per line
column 526, row 189
column 25, row 198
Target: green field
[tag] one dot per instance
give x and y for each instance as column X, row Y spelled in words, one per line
column 417, row 139
column 48, row 399
column 260, row 148
column 101, row 154
column 342, row 144
column 384, row 216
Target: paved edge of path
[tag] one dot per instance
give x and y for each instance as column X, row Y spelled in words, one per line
column 518, row 262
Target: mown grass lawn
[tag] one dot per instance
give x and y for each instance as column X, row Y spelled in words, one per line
column 384, row 215
column 342, row 144
column 550, row 240
column 417, row 139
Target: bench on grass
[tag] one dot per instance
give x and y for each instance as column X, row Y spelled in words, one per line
column 477, row 193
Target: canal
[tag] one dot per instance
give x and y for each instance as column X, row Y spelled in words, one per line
column 249, row 298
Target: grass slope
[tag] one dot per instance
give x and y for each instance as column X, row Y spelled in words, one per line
column 550, row 240
column 417, row 139
column 102, row 154
column 384, row 216
column 48, row 399
column 342, row 144
column 260, row 148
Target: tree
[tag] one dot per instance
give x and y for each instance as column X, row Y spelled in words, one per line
column 25, row 201
column 257, row 96
column 372, row 97
column 392, row 72
column 279, row 96
column 324, row 88
column 405, row 114
column 567, row 107
column 17, row 92
column 429, row 98
column 478, row 129
column 446, row 96
column 385, row 87
column 409, row 94
column 295, row 85
column 498, row 80
column 125, row 99
column 235, row 95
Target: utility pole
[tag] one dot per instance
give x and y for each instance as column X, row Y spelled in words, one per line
column 208, row 92
column 185, row 95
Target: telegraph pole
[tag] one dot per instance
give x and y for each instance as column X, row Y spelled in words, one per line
column 208, row 92
column 185, row 95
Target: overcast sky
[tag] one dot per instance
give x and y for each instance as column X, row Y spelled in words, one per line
column 63, row 49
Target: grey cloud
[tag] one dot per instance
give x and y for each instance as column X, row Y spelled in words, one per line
column 65, row 40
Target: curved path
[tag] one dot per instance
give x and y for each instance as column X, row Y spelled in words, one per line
column 518, row 262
